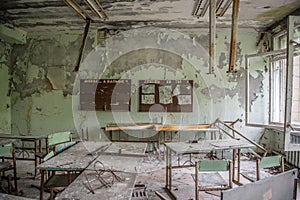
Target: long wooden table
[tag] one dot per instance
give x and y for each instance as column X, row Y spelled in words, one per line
column 161, row 129
column 81, row 157
column 180, row 148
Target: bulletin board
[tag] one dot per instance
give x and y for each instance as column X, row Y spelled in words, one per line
column 105, row 94
column 169, row 95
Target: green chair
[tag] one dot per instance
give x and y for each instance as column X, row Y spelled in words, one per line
column 52, row 141
column 207, row 177
column 8, row 151
column 276, row 161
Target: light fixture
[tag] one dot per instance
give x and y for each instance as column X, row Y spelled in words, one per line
column 96, row 8
column 202, row 5
column 93, row 6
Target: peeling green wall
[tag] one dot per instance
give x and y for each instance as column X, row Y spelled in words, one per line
column 38, row 108
column 5, row 105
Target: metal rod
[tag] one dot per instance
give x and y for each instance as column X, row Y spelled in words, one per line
column 160, row 196
column 212, row 35
column 245, row 137
column 85, row 33
column 225, row 131
column 232, row 58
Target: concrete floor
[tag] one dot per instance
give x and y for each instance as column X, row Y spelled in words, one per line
column 152, row 174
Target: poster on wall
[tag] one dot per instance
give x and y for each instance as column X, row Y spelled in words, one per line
column 166, row 95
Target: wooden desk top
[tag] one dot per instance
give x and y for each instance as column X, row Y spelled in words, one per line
column 79, row 156
column 126, row 149
column 127, row 126
column 207, row 145
column 159, row 127
column 79, row 189
column 125, row 167
column 192, row 127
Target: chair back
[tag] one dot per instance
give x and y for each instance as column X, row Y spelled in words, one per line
column 270, row 161
column 213, row 165
column 6, row 150
column 59, row 137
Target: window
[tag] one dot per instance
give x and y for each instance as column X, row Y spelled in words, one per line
column 278, row 83
column 277, row 92
column 275, row 64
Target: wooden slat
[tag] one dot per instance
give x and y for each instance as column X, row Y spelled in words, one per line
column 234, row 28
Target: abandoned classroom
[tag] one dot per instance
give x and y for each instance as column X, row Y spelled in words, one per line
column 165, row 99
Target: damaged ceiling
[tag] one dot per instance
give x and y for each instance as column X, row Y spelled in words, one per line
column 54, row 15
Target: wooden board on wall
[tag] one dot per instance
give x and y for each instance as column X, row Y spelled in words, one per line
column 166, row 95
column 105, row 94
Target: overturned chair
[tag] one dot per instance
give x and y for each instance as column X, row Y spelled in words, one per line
column 267, row 162
column 207, row 177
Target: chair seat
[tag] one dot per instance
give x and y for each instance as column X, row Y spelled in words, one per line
column 60, row 180
column 251, row 175
column 5, row 165
column 211, row 179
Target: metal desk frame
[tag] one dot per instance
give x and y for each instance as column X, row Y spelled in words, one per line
column 36, row 139
column 180, row 148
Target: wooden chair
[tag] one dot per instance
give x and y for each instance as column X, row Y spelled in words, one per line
column 8, row 151
column 207, row 177
column 52, row 141
column 265, row 163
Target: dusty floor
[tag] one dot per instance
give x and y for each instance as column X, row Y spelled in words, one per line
column 151, row 174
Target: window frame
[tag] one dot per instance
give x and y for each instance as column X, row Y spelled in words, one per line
column 288, row 53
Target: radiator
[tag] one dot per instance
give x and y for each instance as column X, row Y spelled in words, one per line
column 293, row 157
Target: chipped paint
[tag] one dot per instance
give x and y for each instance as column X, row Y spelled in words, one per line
column 37, row 108
column 5, row 104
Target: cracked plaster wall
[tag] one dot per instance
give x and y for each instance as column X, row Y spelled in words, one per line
column 39, row 109
column 5, row 105
column 221, row 96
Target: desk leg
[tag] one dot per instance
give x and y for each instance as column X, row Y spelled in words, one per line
column 170, row 170
column 167, row 170
column 35, row 158
column 233, row 164
column 158, row 144
column 239, row 165
column 42, row 185
column 196, row 181
column 164, row 141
